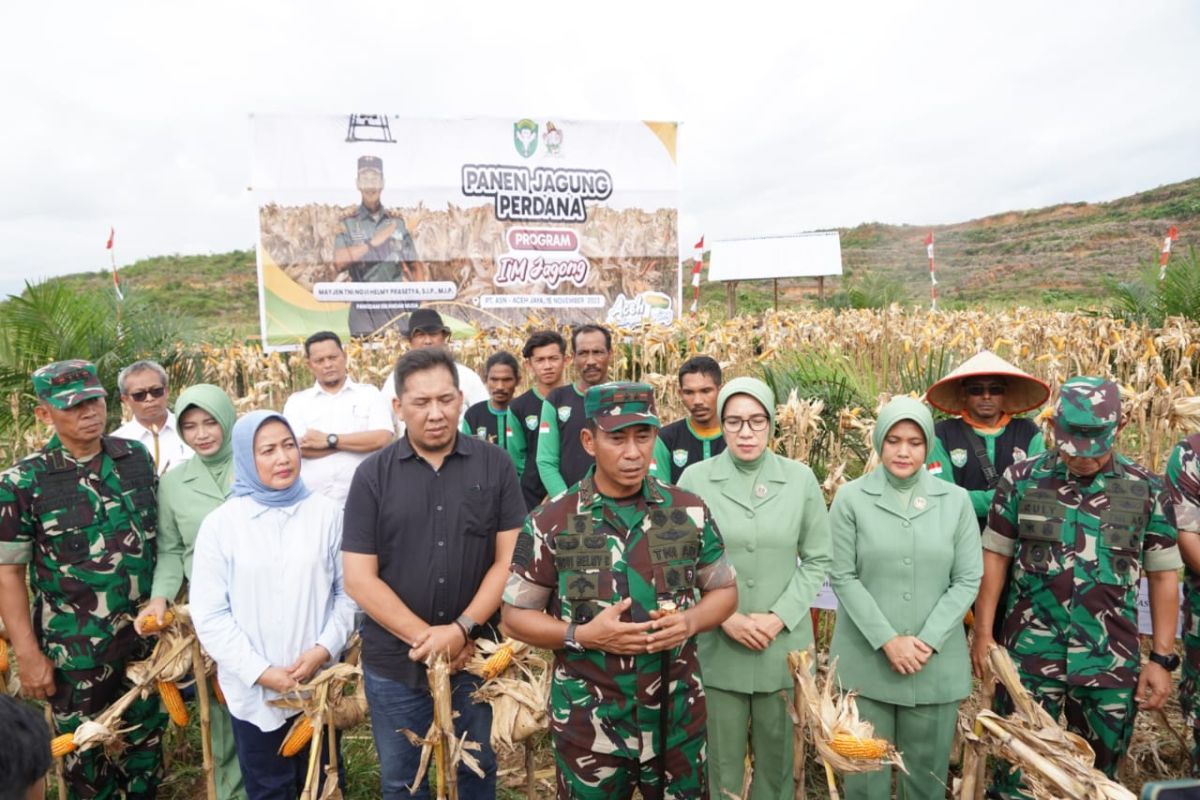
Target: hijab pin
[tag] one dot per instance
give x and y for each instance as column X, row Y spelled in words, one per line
column 919, row 503
column 760, row 491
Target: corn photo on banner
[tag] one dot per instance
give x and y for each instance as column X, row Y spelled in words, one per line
column 489, row 221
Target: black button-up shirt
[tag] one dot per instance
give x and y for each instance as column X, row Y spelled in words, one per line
column 434, row 533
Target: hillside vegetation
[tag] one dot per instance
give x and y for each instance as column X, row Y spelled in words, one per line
column 1056, row 256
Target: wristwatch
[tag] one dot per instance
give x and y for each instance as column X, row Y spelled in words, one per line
column 569, row 642
column 1169, row 663
column 468, row 625
column 332, row 440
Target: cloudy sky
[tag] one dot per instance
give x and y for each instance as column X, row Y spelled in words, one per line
column 136, row 114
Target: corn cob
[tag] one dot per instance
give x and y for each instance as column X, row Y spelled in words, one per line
column 151, row 624
column 969, row 618
column 3, row 657
column 850, row 746
column 497, row 662
column 217, row 693
column 62, row 744
column 173, row 701
column 298, row 738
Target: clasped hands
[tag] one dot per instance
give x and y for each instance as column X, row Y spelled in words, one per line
column 606, row 631
column 753, row 631
column 907, row 654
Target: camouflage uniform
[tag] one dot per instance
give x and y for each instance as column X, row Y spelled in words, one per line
column 1183, row 487
column 1078, row 547
column 581, row 552
column 87, row 532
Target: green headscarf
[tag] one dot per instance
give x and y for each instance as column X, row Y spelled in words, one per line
column 752, row 387
column 901, row 409
column 212, row 399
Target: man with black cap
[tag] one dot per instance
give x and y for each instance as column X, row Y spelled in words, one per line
column 427, row 329
column 374, row 246
column 80, row 516
column 1078, row 525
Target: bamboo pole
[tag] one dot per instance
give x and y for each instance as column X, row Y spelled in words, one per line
column 210, row 778
column 58, row 762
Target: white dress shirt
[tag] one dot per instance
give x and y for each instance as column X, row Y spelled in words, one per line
column 469, row 383
column 171, row 450
column 355, row 408
column 266, row 586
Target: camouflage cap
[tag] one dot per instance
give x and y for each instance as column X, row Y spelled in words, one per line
column 1087, row 416
column 65, row 384
column 620, row 404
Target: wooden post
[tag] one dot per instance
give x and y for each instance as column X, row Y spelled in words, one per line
column 530, row 775
column 210, row 778
column 730, row 299
column 821, row 288
column 58, row 762
column 775, row 290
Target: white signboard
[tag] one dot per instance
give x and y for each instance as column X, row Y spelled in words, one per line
column 801, row 255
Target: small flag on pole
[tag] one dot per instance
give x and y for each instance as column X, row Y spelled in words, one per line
column 1165, row 255
column 932, row 273
column 697, row 265
column 112, row 232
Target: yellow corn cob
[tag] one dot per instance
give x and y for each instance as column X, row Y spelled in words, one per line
column 3, row 657
column 1161, row 381
column 297, row 739
column 173, row 702
column 851, row 746
column 217, row 693
column 151, row 624
column 497, row 662
column 62, row 744
column 969, row 618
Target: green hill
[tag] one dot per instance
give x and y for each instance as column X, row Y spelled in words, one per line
column 1057, row 255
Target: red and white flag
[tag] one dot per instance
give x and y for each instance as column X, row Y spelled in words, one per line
column 112, row 233
column 932, row 272
column 1165, row 255
column 697, row 265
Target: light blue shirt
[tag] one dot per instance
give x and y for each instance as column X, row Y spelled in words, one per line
column 266, row 586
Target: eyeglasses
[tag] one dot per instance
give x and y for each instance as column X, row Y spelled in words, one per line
column 993, row 390
column 156, row 392
column 757, row 423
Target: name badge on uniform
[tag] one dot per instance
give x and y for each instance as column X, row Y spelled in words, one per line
column 919, row 503
column 760, row 491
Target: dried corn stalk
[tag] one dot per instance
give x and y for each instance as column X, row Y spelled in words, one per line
column 1054, row 763
column 844, row 740
column 440, row 741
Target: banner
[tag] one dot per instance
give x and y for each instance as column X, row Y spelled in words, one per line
column 363, row 218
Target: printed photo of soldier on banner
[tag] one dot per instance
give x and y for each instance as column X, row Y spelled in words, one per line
column 364, row 218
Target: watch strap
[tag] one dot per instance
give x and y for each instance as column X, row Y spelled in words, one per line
column 1169, row 663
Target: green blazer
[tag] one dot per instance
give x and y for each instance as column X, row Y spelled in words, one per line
column 895, row 572
column 186, row 494
column 779, row 545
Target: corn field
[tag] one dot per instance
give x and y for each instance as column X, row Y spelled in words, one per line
column 872, row 354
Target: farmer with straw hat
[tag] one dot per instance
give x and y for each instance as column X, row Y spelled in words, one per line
column 984, row 437
column 1071, row 531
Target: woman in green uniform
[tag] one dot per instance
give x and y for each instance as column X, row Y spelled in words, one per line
column 772, row 516
column 186, row 494
column 906, row 567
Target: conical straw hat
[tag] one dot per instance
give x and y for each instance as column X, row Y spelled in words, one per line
column 1022, row 393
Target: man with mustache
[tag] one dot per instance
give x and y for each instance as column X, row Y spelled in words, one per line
column 697, row 437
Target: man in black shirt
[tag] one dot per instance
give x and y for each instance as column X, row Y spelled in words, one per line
column 488, row 419
column 545, row 357
column 697, row 436
column 430, row 525
column 561, row 459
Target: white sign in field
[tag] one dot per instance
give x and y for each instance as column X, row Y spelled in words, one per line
column 801, row 255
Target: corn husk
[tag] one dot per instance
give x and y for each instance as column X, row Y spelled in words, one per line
column 829, row 712
column 440, row 742
column 519, row 697
column 1055, row 764
column 171, row 663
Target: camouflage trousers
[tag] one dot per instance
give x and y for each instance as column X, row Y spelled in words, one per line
column 135, row 773
column 1189, row 682
column 586, row 775
column 1104, row 717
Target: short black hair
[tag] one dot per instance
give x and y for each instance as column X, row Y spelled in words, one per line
column 577, row 331
column 26, row 757
column 421, row 359
column 701, row 365
column 541, row 339
column 321, row 336
column 502, row 358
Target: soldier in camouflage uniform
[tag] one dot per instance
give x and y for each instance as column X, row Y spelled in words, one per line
column 1078, row 524
column 1183, row 510
column 617, row 575
column 79, row 515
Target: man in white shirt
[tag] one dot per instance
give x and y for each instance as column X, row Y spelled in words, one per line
column 337, row 421
column 427, row 329
column 144, row 389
